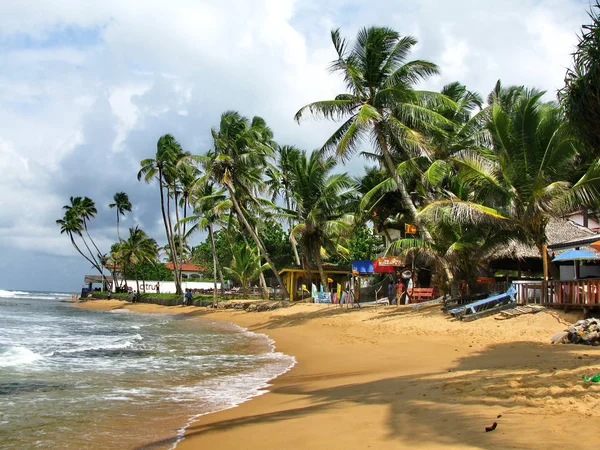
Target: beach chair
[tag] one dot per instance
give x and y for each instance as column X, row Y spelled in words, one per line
column 486, row 306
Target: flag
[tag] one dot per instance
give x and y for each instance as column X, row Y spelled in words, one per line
column 410, row 229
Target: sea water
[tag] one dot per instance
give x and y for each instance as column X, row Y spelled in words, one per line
column 77, row 378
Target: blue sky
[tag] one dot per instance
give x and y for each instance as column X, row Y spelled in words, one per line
column 88, row 87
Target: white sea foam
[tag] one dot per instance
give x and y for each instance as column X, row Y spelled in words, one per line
column 17, row 356
column 114, row 345
column 33, row 295
column 230, row 391
column 7, row 294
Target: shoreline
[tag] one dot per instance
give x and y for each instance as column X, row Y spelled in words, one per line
column 394, row 378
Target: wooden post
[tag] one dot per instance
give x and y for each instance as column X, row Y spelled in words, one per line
column 545, row 260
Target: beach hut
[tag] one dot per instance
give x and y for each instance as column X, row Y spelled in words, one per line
column 299, row 283
column 522, row 258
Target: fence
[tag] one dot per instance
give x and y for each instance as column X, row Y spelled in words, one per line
column 573, row 294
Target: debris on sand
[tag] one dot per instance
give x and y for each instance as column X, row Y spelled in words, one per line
column 586, row 331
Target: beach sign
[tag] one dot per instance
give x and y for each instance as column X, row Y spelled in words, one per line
column 390, row 261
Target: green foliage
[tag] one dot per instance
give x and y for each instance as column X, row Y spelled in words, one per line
column 363, row 244
column 245, row 265
column 202, row 254
column 581, row 95
column 277, row 243
column 148, row 271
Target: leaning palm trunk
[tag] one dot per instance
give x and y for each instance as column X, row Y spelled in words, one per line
column 292, row 238
column 175, row 255
column 256, row 239
column 92, row 258
column 95, row 265
column 319, row 262
column 180, row 235
column 167, row 232
column 214, row 254
column 261, row 278
column 406, row 200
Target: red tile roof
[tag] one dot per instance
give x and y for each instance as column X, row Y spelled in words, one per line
column 187, row 267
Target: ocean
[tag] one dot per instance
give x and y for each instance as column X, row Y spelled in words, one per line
column 73, row 378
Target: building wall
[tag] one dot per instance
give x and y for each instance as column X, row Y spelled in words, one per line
column 578, row 219
column 567, row 272
column 168, row 287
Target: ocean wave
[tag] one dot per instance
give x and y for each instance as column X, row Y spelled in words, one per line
column 106, row 349
column 230, row 391
column 17, row 356
column 33, row 295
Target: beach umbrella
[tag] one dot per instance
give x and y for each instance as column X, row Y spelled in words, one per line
column 575, row 255
column 596, row 246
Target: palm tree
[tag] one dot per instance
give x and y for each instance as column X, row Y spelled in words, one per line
column 72, row 225
column 278, row 182
column 465, row 131
column 137, row 249
column 122, row 205
column 241, row 148
column 465, row 246
column 83, row 209
column 321, row 200
column 163, row 169
column 382, row 104
column 524, row 178
column 245, row 266
column 209, row 206
column 377, row 200
column 580, row 97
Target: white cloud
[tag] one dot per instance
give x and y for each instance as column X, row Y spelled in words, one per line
column 88, row 87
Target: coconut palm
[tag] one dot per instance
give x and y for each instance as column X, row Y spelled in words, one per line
column 381, row 104
column 245, row 266
column 466, row 247
column 377, row 200
column 524, row 178
column 122, row 205
column 322, row 201
column 466, row 130
column 241, row 148
column 209, row 206
column 83, row 209
column 163, row 168
column 137, row 249
column 278, row 182
column 72, row 225
column 580, row 97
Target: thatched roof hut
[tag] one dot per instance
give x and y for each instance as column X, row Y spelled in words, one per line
column 562, row 235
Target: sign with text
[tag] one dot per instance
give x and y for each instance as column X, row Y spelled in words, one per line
column 390, row 261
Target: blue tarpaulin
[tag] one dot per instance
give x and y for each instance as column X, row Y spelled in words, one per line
column 363, row 266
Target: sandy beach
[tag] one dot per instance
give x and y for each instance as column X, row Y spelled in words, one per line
column 391, row 377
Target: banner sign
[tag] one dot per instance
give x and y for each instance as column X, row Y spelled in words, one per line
column 390, row 261
column 323, row 297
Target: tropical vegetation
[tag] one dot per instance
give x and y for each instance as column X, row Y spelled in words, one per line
column 453, row 176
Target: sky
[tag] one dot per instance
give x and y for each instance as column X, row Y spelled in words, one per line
column 87, row 88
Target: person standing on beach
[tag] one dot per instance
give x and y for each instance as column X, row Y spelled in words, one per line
column 158, row 288
column 187, row 298
column 391, row 292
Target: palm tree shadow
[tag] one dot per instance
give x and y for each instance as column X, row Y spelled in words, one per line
column 300, row 318
column 453, row 407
